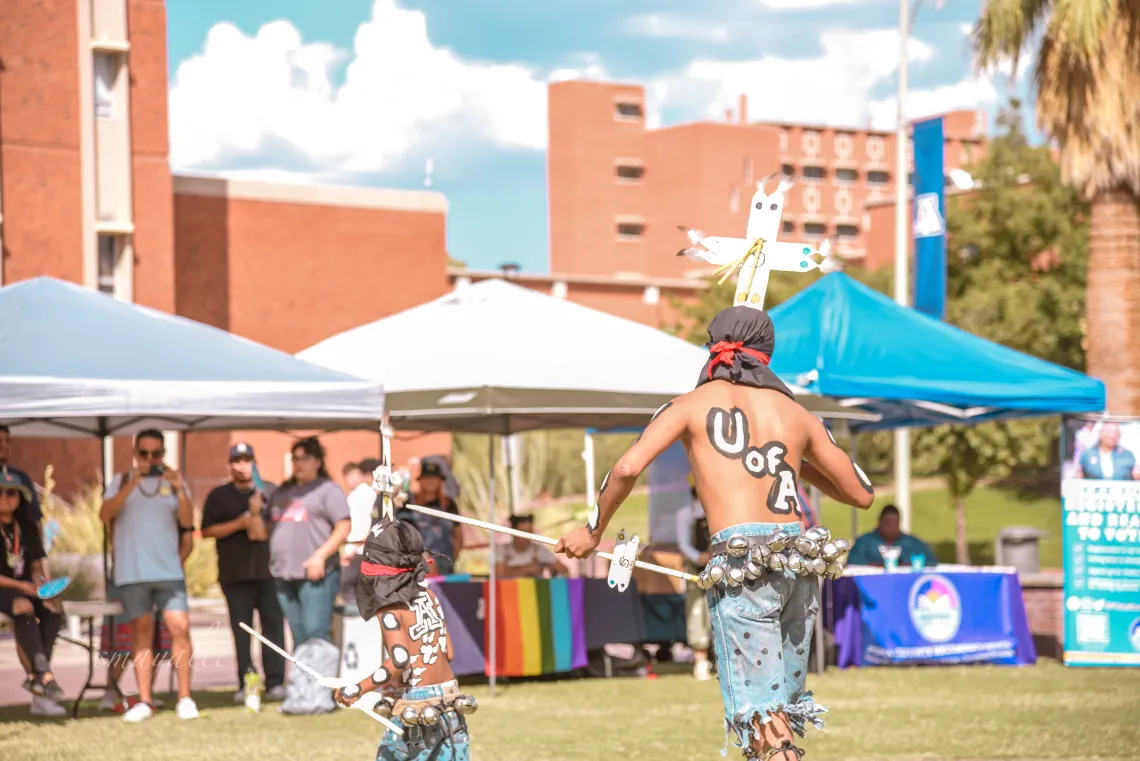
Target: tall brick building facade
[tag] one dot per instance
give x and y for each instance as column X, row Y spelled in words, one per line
column 87, row 195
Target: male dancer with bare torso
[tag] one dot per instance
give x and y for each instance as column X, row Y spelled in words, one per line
column 749, row 443
column 419, row 691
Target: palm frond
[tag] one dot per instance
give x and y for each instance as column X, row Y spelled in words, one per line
column 1005, row 29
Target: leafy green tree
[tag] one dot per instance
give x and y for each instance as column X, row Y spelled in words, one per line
column 1016, row 275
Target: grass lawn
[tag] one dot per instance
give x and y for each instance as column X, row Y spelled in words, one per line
column 1042, row 712
column 988, row 510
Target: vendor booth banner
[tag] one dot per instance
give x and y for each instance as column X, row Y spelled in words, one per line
column 939, row 619
column 929, row 219
column 1100, row 506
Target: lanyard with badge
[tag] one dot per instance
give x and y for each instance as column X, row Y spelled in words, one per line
column 15, row 555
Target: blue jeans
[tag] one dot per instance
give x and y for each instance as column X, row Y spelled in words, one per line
column 762, row 633
column 308, row 606
column 418, row 742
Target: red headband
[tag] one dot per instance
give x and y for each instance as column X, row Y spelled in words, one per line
column 375, row 569
column 724, row 353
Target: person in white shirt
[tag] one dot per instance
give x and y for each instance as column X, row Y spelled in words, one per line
column 693, row 541
column 522, row 558
column 361, row 506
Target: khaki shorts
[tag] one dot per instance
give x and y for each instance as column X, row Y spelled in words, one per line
column 698, row 628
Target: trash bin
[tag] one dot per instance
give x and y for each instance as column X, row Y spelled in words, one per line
column 1017, row 546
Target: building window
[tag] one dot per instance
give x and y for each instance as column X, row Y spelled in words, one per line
column 815, row 228
column 878, row 177
column 630, row 172
column 627, row 110
column 846, row 231
column 847, row 175
column 630, row 230
column 814, row 173
column 110, row 256
column 789, row 227
column 106, row 67
column 788, row 170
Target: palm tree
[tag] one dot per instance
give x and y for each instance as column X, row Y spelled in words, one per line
column 1087, row 82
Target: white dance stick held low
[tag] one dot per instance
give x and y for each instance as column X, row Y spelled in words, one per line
column 540, row 539
column 332, row 682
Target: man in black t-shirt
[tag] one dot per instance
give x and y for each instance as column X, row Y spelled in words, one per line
column 232, row 515
column 442, row 538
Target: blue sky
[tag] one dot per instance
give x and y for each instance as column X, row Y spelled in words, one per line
column 364, row 92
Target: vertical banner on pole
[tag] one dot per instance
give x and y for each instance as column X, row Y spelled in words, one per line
column 929, row 219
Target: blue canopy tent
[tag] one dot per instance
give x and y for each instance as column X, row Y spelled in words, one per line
column 842, row 339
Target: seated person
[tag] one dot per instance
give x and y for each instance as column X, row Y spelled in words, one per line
column 36, row 622
column 887, row 539
column 418, row 688
column 521, row 558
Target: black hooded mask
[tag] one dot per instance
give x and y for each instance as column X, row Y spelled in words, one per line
column 741, row 341
column 393, row 567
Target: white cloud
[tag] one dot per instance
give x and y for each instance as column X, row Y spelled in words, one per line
column 269, row 100
column 833, row 88
column 665, row 26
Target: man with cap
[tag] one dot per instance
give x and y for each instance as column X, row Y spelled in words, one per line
column 442, row 538
column 418, row 689
column 749, row 444
column 232, row 516
column 36, row 622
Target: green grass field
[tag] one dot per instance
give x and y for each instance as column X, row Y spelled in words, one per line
column 988, row 510
column 1042, row 712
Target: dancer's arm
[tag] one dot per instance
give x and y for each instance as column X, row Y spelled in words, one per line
column 832, row 471
column 398, row 646
column 666, row 427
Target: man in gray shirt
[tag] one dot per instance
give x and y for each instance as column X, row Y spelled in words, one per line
column 147, row 508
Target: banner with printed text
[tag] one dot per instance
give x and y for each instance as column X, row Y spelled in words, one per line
column 1100, row 503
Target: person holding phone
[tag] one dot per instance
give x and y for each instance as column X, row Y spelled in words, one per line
column 148, row 509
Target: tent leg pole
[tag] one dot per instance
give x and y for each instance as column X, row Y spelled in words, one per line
column 851, row 449
column 108, row 463
column 591, row 479
column 509, row 460
column 491, row 610
column 820, row 645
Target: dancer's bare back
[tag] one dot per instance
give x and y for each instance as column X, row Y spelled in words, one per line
column 748, row 448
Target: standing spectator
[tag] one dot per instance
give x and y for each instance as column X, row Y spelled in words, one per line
column 450, row 482
column 233, row 516
column 362, row 501
column 442, row 538
column 309, row 521
column 36, row 622
column 694, row 541
column 521, row 558
column 33, row 508
column 148, row 508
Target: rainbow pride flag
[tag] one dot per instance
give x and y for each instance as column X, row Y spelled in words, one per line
column 541, row 626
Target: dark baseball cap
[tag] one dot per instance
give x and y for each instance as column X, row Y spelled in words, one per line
column 9, row 481
column 431, row 468
column 241, row 450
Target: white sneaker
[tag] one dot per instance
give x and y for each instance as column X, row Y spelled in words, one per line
column 187, row 709
column 702, row 671
column 41, row 706
column 139, row 712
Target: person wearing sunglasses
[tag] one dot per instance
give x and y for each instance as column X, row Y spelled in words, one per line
column 148, row 509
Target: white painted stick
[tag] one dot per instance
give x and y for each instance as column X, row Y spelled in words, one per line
column 540, row 539
column 319, row 678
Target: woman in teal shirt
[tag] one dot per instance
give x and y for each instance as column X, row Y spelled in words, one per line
column 869, row 548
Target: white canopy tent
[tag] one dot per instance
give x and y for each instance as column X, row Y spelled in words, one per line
column 498, row 358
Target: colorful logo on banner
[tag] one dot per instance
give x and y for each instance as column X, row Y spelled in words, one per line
column 935, row 608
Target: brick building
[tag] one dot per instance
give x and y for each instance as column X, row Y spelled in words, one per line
column 87, row 195
column 618, row 190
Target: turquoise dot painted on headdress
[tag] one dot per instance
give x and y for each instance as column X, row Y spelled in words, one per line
column 803, row 265
column 807, row 250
